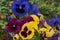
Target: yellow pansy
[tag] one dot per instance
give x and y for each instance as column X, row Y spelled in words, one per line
column 50, row 33
column 34, row 25
column 47, row 26
column 35, row 17
column 59, row 38
column 48, row 30
column 27, row 32
column 45, row 38
column 41, row 16
column 16, row 37
column 31, row 25
column 42, row 30
column 54, row 27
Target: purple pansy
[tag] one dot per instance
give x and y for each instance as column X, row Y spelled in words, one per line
column 27, row 18
column 13, row 25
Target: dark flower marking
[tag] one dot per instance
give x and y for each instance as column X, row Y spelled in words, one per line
column 20, row 9
column 15, row 38
column 24, row 34
column 25, row 29
column 29, row 32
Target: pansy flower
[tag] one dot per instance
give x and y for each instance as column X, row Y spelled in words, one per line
column 47, row 30
column 33, row 18
column 58, row 36
column 35, row 9
column 50, row 33
column 13, row 25
column 55, row 37
column 42, row 30
column 27, row 19
column 45, row 38
column 36, row 19
column 16, row 37
column 58, row 27
column 27, row 32
column 54, row 20
column 58, row 19
column 20, row 9
column 8, row 17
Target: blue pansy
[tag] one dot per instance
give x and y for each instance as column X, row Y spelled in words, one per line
column 8, row 17
column 20, row 9
column 35, row 9
column 54, row 20
column 58, row 19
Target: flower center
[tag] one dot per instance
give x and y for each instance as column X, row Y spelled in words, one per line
column 15, row 38
column 13, row 27
column 20, row 9
column 25, row 33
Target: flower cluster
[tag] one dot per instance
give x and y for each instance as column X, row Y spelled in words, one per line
column 26, row 27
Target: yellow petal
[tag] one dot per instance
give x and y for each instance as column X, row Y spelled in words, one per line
column 36, row 19
column 59, row 38
column 41, row 16
column 50, row 33
column 47, row 26
column 54, row 27
column 45, row 38
column 16, row 37
column 42, row 30
column 31, row 25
